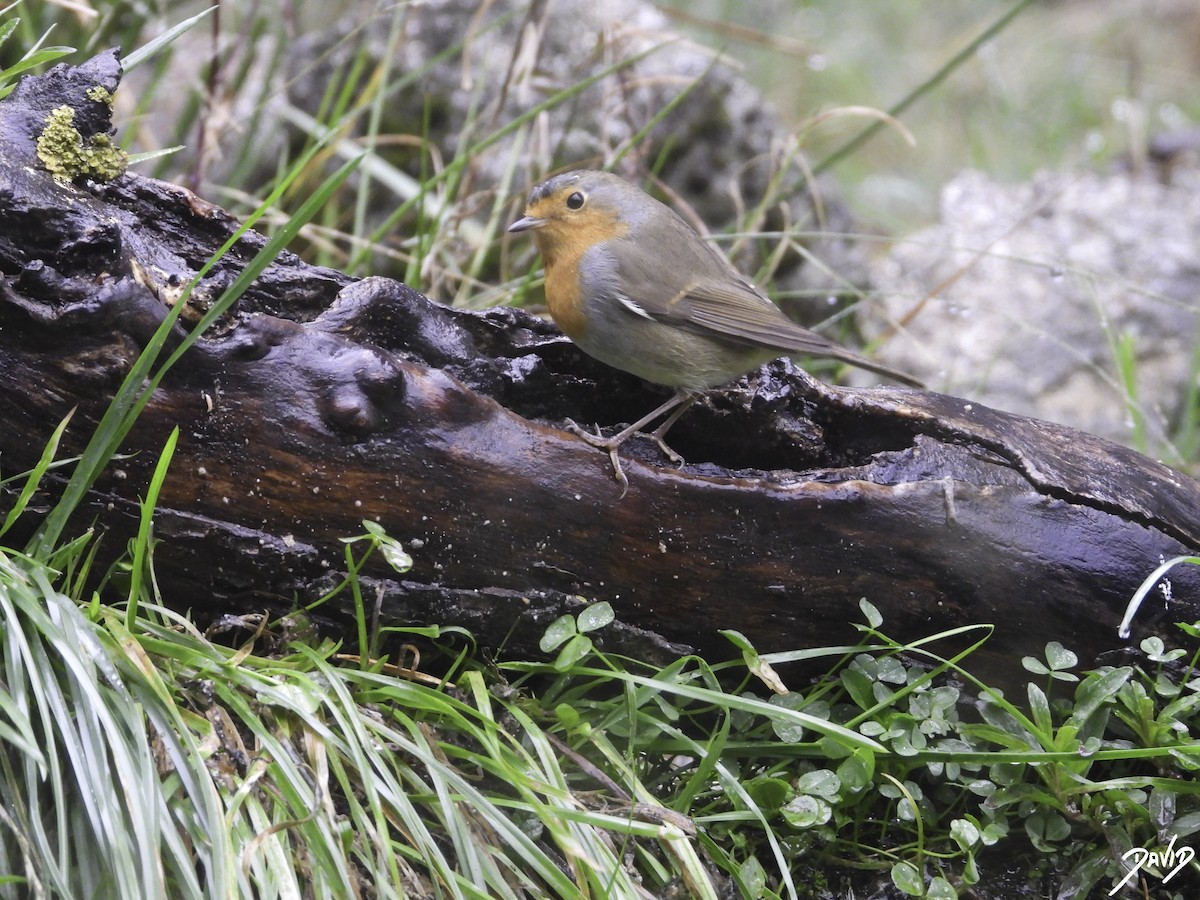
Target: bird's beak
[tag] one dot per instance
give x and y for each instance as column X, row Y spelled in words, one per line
column 526, row 223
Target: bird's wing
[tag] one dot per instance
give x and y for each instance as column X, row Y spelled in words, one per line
column 694, row 287
column 733, row 309
column 697, row 289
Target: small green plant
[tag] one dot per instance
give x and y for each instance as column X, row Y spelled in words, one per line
column 569, row 634
column 948, row 782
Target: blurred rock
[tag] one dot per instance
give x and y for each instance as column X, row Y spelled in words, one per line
column 1025, row 297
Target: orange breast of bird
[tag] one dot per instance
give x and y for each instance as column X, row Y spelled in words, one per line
column 562, row 246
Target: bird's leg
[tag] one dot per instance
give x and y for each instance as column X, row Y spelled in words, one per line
column 612, row 443
column 685, row 403
column 679, row 402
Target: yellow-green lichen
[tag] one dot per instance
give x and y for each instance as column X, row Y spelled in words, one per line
column 100, row 94
column 67, row 155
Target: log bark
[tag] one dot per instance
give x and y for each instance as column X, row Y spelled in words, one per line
column 324, row 400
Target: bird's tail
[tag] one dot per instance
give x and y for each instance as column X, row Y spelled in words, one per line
column 862, row 362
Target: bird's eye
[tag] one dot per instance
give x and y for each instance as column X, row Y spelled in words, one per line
column 575, row 201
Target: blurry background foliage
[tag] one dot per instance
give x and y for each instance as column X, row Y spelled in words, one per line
column 1068, row 82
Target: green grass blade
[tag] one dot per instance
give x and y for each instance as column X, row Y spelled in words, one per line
column 34, row 478
column 141, row 545
column 168, row 37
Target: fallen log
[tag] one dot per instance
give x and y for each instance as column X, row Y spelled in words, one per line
column 324, row 400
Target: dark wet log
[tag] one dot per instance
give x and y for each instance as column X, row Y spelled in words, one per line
column 324, row 401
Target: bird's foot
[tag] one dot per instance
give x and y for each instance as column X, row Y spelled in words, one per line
column 600, row 442
column 668, row 452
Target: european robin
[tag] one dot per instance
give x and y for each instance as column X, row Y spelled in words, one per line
column 635, row 286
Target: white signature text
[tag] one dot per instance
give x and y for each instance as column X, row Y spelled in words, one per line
column 1166, row 858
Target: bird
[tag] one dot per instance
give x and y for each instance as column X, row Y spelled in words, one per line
column 636, row 287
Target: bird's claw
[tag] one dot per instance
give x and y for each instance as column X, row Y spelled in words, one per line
column 595, row 438
column 600, row 442
column 618, row 472
column 667, row 451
